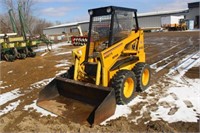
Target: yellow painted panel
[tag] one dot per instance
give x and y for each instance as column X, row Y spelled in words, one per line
column 15, row 39
column 22, row 44
column 1, row 40
column 33, row 43
column 11, row 45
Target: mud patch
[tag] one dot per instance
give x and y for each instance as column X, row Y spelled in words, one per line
column 193, row 73
column 186, row 127
column 159, row 126
column 27, row 74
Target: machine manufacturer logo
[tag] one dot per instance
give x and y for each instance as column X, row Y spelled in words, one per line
column 108, row 53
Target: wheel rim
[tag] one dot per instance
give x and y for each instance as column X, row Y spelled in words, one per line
column 128, row 87
column 145, row 77
column 6, row 56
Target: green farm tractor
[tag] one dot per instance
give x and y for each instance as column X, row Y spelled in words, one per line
column 17, row 47
column 7, row 50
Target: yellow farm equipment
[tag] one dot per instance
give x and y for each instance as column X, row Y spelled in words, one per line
column 107, row 71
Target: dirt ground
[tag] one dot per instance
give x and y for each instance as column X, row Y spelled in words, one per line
column 22, row 74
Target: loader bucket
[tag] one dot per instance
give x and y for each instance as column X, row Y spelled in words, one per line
column 77, row 101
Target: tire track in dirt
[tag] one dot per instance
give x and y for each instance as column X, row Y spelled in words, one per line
column 170, row 62
column 173, row 62
column 173, row 55
column 15, row 119
column 31, row 70
column 30, row 93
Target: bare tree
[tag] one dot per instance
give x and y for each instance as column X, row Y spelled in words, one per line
column 27, row 11
column 5, row 24
column 35, row 25
column 40, row 24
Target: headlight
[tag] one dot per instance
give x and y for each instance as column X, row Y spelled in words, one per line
column 108, row 10
column 90, row 12
column 80, row 52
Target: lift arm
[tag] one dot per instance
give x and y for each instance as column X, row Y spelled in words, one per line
column 12, row 20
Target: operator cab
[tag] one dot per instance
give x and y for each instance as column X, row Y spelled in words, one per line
column 109, row 25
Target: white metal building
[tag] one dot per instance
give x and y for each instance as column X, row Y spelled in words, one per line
column 149, row 20
column 153, row 19
column 59, row 29
column 193, row 13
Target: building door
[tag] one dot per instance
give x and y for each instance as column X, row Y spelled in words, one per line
column 197, row 21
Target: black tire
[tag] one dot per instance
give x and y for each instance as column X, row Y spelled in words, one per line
column 9, row 57
column 32, row 54
column 30, row 49
column 22, row 56
column 70, row 73
column 26, row 51
column 6, row 57
column 16, row 53
column 118, row 83
column 140, row 69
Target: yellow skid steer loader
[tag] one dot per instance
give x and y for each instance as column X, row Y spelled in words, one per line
column 107, row 71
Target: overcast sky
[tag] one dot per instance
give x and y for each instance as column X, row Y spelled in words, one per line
column 76, row 10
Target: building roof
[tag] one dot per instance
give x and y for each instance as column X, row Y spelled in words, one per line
column 193, row 5
column 162, row 12
column 139, row 15
column 67, row 24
